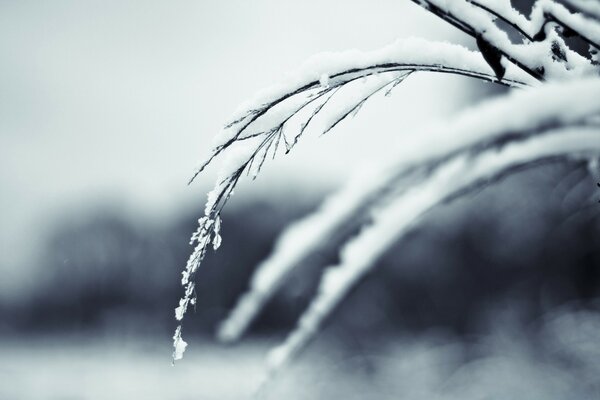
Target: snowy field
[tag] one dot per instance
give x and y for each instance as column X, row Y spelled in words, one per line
column 61, row 369
column 557, row 358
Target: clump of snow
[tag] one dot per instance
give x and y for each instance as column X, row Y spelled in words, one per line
column 217, row 233
column 183, row 303
column 179, row 345
column 324, row 80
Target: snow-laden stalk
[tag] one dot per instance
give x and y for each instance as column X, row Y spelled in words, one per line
column 450, row 180
column 341, row 213
column 326, row 72
column 261, row 125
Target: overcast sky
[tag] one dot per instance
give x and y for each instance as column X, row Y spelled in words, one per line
column 117, row 101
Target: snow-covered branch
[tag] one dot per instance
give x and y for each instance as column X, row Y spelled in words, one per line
column 451, row 179
column 258, row 129
column 544, row 55
column 322, row 74
column 483, row 128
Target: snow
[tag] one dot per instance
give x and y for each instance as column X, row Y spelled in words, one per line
column 324, row 80
column 591, row 7
column 217, row 234
column 183, row 303
column 430, row 366
column 179, row 344
column 578, row 22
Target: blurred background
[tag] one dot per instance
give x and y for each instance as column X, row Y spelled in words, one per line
column 105, row 109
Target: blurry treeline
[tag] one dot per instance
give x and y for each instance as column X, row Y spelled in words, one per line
column 523, row 247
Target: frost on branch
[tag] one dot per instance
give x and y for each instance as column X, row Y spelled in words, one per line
column 547, row 122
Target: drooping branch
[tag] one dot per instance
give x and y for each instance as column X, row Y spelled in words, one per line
column 339, row 69
column 468, row 135
column 450, row 180
column 261, row 124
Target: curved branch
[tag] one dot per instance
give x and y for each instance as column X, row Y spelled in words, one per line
column 346, row 67
column 343, row 212
column 449, row 181
column 334, row 71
